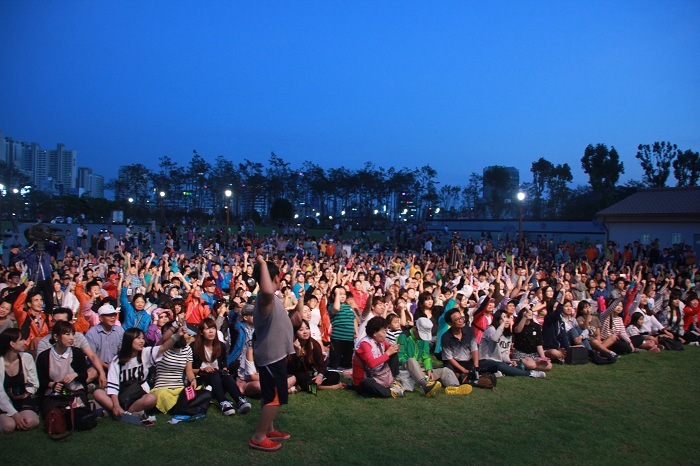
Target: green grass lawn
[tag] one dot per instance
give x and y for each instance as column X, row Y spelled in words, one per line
column 638, row 411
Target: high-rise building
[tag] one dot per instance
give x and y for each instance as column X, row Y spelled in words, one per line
column 89, row 183
column 53, row 171
column 504, row 179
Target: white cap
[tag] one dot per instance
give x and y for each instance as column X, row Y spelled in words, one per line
column 424, row 327
column 106, row 309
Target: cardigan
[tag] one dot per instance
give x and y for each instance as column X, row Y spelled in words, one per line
column 31, row 381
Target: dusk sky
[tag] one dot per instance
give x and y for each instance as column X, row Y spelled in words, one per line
column 456, row 84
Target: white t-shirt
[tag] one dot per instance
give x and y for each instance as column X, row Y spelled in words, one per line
column 119, row 375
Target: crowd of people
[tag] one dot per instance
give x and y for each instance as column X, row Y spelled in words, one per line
column 271, row 316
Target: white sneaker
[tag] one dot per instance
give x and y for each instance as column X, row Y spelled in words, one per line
column 227, row 408
column 538, row 374
column 499, row 374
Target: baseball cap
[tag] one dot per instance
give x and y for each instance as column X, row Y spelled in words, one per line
column 106, row 309
column 424, row 327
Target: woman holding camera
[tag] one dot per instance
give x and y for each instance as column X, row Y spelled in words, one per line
column 18, row 378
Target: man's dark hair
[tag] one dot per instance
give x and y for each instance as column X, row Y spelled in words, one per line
column 271, row 268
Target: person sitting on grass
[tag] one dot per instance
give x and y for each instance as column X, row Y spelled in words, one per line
column 612, row 325
column 174, row 368
column 639, row 340
column 210, row 368
column 555, row 331
column 492, row 358
column 527, row 342
column 588, row 334
column 63, row 366
column 415, row 356
column 127, row 389
column 460, row 351
column 307, row 363
column 376, row 363
column 18, row 384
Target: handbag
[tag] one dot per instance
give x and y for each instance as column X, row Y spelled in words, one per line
column 58, row 416
column 577, row 355
column 197, row 405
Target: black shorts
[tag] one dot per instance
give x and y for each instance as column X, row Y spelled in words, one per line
column 273, row 383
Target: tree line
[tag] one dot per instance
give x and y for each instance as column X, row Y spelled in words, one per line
column 395, row 193
column 372, row 193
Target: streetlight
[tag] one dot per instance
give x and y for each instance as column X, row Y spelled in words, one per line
column 131, row 209
column 228, row 193
column 162, row 207
column 521, row 198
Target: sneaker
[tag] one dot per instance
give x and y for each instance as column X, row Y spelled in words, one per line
column 243, row 406
column 265, row 445
column 276, row 436
column 613, row 354
column 227, row 408
column 538, row 374
column 396, row 389
column 464, row 389
column 499, row 374
column 431, row 388
column 694, row 343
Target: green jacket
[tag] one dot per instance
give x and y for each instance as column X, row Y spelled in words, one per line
column 416, row 349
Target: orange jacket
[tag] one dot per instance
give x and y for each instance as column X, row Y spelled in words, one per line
column 23, row 322
column 195, row 311
column 81, row 324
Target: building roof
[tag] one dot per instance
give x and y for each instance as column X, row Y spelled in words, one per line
column 656, row 202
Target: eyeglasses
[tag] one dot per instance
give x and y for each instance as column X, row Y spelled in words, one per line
column 459, row 319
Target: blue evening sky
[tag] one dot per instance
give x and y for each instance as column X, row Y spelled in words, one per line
column 456, row 84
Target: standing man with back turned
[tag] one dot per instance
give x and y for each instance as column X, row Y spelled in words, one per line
column 273, row 342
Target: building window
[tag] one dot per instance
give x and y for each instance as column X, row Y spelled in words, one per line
column 644, row 239
column 676, row 238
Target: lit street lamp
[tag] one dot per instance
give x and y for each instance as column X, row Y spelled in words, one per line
column 228, row 209
column 162, row 207
column 521, row 198
column 131, row 209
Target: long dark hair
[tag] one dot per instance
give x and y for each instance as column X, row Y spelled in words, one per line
column 420, row 306
column 308, row 346
column 126, row 352
column 199, row 344
column 675, row 316
column 9, row 335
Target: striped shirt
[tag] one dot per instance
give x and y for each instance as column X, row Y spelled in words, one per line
column 343, row 323
column 618, row 328
column 170, row 370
